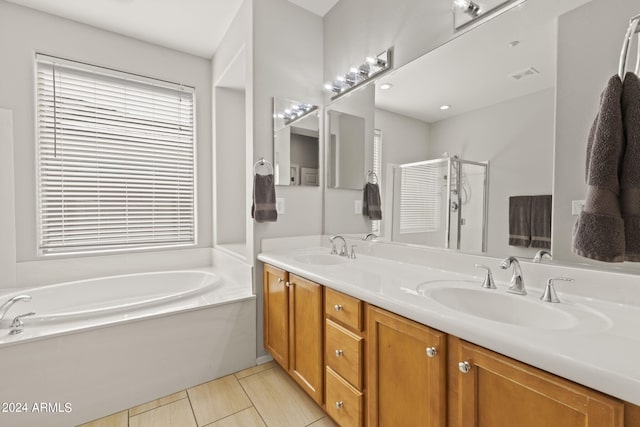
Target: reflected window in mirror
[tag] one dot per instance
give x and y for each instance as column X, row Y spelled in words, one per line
column 296, row 143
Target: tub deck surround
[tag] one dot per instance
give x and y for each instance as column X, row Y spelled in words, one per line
column 103, row 345
column 597, row 348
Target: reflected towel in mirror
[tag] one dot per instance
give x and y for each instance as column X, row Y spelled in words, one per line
column 371, row 206
column 520, row 221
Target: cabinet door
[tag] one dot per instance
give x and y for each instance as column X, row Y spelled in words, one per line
column 498, row 391
column 276, row 314
column 305, row 335
column 406, row 383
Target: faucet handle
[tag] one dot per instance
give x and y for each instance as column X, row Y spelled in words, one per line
column 17, row 323
column 488, row 282
column 549, row 294
column 352, row 255
column 542, row 254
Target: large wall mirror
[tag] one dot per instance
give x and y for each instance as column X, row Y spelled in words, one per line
column 296, row 143
column 473, row 124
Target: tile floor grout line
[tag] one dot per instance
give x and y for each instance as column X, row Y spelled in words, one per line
column 252, row 402
column 255, row 373
column 193, row 412
column 157, row 407
column 230, row 415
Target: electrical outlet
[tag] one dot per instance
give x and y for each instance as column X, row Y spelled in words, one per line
column 576, row 206
column 280, row 205
column 357, row 207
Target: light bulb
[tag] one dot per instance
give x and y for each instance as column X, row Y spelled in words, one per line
column 467, row 6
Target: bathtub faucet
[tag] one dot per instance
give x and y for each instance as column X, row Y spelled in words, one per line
column 7, row 305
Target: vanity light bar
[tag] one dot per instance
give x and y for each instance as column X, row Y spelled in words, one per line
column 296, row 112
column 357, row 76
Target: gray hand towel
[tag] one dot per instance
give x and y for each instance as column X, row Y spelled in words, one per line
column 599, row 231
column 263, row 208
column 520, row 221
column 371, row 206
column 630, row 175
column 541, row 221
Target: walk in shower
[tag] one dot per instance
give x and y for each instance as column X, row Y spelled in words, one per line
column 442, row 203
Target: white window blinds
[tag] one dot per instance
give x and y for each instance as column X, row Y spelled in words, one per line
column 115, row 160
column 377, row 169
column 420, row 198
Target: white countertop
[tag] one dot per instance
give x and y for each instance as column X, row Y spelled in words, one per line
column 599, row 351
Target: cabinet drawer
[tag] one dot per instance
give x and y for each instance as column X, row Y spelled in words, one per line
column 344, row 353
column 344, row 403
column 343, row 308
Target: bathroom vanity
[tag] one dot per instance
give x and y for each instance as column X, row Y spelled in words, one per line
column 351, row 334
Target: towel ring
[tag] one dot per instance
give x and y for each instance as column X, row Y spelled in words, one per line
column 372, row 177
column 262, row 162
column 624, row 53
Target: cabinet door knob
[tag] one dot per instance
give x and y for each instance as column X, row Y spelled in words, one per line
column 338, row 307
column 339, row 353
column 288, row 284
column 464, row 367
column 432, row 351
column 280, row 280
column 339, row 404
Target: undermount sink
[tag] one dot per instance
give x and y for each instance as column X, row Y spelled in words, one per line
column 503, row 308
column 321, row 259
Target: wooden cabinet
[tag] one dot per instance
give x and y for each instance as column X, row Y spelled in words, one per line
column 344, row 357
column 496, row 391
column 406, row 372
column 376, row 368
column 293, row 327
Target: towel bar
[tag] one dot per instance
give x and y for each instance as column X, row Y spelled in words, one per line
column 262, row 162
column 624, row 53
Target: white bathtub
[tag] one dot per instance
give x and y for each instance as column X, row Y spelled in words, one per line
column 99, row 346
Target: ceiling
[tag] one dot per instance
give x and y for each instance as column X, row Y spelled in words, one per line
column 192, row 26
column 473, row 72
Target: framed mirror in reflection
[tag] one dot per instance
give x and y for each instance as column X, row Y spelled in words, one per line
column 296, row 148
column 484, row 98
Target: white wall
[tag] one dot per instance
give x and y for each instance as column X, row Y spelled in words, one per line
column 287, row 63
column 587, row 57
column 516, row 137
column 7, row 213
column 230, row 134
column 23, row 32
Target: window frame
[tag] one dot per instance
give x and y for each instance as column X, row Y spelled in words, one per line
column 111, row 73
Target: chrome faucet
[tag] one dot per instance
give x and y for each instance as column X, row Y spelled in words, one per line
column 343, row 249
column 541, row 254
column 370, row 236
column 7, row 305
column 517, row 284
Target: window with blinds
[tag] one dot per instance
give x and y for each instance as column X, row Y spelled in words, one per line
column 115, row 159
column 376, row 161
column 420, row 198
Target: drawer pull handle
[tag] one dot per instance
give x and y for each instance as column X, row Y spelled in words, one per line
column 280, row 280
column 339, row 353
column 338, row 307
column 464, row 367
column 432, row 351
column 339, row 404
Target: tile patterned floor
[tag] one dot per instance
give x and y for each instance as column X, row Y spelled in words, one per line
column 262, row 396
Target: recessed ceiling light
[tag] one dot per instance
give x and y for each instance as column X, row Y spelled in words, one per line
column 445, row 107
column 386, row 86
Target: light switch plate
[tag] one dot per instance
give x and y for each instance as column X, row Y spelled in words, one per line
column 280, row 205
column 576, row 206
column 357, row 207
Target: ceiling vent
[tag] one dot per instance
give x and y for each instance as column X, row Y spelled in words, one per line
column 524, row 73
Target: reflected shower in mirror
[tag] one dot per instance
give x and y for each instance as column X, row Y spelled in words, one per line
column 296, row 148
